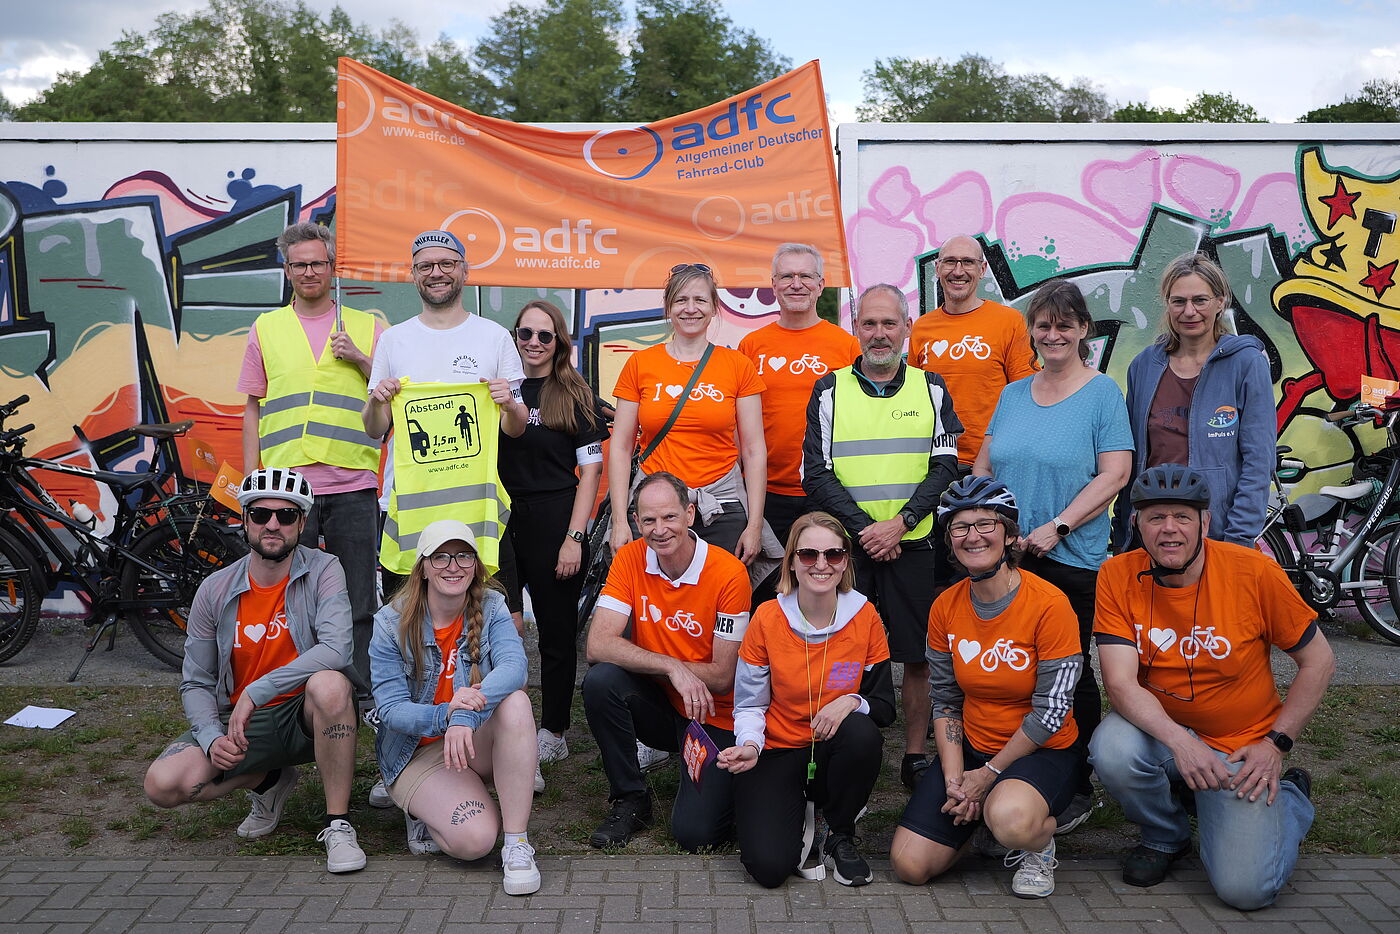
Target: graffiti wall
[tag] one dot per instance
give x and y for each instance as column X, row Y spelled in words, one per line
column 1304, row 229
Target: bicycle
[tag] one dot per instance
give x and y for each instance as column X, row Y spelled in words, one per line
column 1355, row 562
column 145, row 570
column 1204, row 638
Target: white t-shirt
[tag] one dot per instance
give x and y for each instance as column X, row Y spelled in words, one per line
column 476, row 349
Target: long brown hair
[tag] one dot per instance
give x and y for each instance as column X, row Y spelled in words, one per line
column 563, row 394
column 411, row 601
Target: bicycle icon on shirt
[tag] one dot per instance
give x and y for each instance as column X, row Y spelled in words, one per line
column 1204, row 637
column 807, row 362
column 706, row 390
column 1005, row 651
column 684, row 620
column 973, row 344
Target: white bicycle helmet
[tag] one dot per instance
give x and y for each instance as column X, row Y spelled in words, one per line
column 275, row 483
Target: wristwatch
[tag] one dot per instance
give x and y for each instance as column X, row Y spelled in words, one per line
column 910, row 520
column 1283, row 741
column 1061, row 527
column 576, row 535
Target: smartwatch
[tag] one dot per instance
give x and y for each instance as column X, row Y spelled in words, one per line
column 576, row 535
column 1283, row 741
column 1061, row 527
column 910, row 520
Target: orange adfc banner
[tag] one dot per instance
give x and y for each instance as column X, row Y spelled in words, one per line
column 615, row 208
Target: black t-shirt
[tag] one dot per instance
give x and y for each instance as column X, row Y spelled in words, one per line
column 543, row 460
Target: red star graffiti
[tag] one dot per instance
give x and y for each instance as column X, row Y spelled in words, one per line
column 1380, row 278
column 1339, row 204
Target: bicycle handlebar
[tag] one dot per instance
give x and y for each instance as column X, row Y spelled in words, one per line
column 16, row 435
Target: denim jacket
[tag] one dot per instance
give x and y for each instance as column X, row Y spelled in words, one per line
column 405, row 703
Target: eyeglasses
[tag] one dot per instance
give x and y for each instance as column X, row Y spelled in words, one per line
column 681, row 267
column 983, row 527
column 806, row 278
column 1198, row 302
column 301, row 269
column 442, row 560
column 835, row 557
column 953, row 262
column 448, row 266
column 287, row 515
column 524, row 334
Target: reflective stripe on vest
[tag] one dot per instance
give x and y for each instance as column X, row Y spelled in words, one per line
column 880, row 445
column 311, row 414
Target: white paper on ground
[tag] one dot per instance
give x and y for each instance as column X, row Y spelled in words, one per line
column 43, row 718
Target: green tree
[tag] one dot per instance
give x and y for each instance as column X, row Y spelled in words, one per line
column 973, row 89
column 1205, row 107
column 687, row 54
column 7, row 108
column 1378, row 102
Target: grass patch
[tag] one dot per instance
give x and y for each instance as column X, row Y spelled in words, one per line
column 77, row 831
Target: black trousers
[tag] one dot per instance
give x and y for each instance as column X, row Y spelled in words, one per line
column 623, row 707
column 536, row 531
column 1080, row 586
column 770, row 799
column 349, row 522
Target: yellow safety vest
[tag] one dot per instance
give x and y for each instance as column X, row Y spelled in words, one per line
column 311, row 414
column 880, row 445
column 446, row 443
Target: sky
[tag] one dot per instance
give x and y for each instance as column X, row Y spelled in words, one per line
column 1283, row 57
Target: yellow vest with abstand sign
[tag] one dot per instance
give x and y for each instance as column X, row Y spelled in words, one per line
column 880, row 445
column 446, row 441
column 311, row 413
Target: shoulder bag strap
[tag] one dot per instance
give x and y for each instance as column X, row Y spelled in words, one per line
column 680, row 404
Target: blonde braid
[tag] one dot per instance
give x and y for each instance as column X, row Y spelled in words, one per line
column 476, row 594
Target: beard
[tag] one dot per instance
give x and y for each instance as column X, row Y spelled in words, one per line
column 273, row 554
column 448, row 298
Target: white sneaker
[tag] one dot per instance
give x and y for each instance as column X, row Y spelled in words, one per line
column 1035, row 877
column 267, row 807
column 379, row 796
column 648, row 758
column 420, row 842
column 539, row 779
column 552, row 748
column 522, row 876
column 343, row 853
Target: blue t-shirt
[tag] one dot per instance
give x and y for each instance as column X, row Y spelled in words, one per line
column 1046, row 454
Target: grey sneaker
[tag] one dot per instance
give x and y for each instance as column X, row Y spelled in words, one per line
column 267, row 807
column 522, row 876
column 539, row 779
column 420, row 842
column 648, row 758
column 1035, row 876
column 552, row 748
column 379, row 796
column 984, row 844
column 343, row 853
column 1080, row 807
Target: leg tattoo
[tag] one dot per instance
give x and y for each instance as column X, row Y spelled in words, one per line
column 465, row 811
column 175, row 748
column 339, row 731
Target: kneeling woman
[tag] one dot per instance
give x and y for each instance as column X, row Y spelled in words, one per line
column 1003, row 649
column 449, row 678
column 811, row 691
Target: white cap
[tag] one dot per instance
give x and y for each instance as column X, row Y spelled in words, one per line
column 441, row 532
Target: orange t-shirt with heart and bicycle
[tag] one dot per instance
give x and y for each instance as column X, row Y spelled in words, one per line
column 261, row 640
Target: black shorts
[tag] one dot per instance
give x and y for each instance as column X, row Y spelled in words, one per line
column 902, row 591
column 1052, row 772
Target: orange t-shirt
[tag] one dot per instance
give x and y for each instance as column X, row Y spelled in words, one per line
column 700, row 446
column 995, row 659
column 261, row 640
column 804, row 677
column 790, row 361
column 977, row 354
column 446, row 639
column 682, row 618
column 1203, row 651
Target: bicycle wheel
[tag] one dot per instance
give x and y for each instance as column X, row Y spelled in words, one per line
column 20, row 599
column 1279, row 545
column 1375, row 568
column 187, row 553
column 599, row 560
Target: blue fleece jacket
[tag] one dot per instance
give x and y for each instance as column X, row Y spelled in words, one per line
column 1231, row 430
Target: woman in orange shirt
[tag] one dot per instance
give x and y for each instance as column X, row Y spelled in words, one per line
column 719, row 428
column 811, row 691
column 1003, row 651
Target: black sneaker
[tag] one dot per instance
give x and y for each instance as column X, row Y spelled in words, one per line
column 1300, row 777
column 912, row 768
column 1145, row 867
column 628, row 815
column 847, row 865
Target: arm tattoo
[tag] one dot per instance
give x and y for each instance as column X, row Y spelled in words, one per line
column 953, row 731
column 339, row 731
column 174, row 749
column 465, row 811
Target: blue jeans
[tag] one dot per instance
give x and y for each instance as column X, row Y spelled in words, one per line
column 1248, row 847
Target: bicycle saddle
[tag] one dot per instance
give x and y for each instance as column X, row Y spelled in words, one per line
column 165, row 430
column 1352, row 491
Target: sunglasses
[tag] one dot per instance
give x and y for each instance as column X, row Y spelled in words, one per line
column 287, row 515
column 681, row 267
column 835, row 557
column 524, row 334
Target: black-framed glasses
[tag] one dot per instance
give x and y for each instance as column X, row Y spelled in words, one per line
column 985, row 526
column 681, row 267
column 448, row 266
column 286, row 515
column 442, row 560
column 300, row 269
column 524, row 334
column 835, row 557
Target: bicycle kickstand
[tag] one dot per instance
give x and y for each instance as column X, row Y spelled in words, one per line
column 108, row 628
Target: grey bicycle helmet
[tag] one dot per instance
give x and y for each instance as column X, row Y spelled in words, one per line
column 275, row 483
column 974, row 492
column 1171, row 483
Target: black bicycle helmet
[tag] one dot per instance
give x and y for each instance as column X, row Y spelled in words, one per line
column 1171, row 483
column 974, row 492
